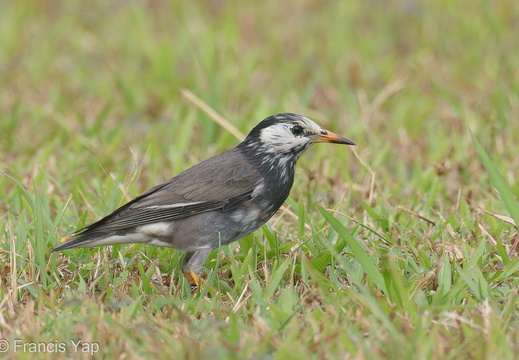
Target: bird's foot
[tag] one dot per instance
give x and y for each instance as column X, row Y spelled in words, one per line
column 192, row 277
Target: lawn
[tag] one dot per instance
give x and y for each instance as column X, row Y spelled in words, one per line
column 403, row 247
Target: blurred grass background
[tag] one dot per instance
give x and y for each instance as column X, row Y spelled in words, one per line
column 407, row 261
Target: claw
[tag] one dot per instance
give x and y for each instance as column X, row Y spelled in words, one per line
column 192, row 277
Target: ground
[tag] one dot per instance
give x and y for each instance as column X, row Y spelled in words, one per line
column 403, row 247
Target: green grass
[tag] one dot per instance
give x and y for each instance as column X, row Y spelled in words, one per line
column 396, row 249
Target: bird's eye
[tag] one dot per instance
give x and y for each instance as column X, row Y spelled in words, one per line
column 297, row 130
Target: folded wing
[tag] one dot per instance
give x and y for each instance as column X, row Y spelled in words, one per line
column 208, row 186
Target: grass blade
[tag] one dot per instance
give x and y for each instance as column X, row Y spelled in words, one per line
column 360, row 254
column 498, row 181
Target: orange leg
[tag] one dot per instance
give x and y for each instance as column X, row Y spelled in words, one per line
column 192, row 277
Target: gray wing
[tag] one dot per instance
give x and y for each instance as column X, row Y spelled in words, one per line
column 219, row 178
column 222, row 182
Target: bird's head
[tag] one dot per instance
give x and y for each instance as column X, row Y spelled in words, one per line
column 287, row 134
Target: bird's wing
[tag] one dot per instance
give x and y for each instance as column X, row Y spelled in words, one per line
column 224, row 182
column 219, row 178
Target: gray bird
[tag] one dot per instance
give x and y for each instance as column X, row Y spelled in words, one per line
column 215, row 202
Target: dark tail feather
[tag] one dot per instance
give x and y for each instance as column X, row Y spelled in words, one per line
column 76, row 239
column 68, row 245
column 94, row 235
column 83, row 237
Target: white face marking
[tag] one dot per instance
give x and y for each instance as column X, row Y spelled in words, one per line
column 279, row 138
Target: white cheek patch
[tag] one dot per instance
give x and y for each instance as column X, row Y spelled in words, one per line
column 279, row 138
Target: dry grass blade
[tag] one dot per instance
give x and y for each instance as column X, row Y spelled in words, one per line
column 213, row 115
column 506, row 219
column 416, row 215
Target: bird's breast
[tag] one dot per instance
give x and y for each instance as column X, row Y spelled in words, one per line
column 270, row 194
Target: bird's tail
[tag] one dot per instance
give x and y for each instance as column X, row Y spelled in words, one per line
column 81, row 239
column 73, row 241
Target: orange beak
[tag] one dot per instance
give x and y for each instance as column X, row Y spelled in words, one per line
column 328, row 137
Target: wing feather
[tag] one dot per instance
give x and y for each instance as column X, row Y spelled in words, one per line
column 222, row 182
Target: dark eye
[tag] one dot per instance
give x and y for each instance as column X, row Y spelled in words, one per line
column 297, row 130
